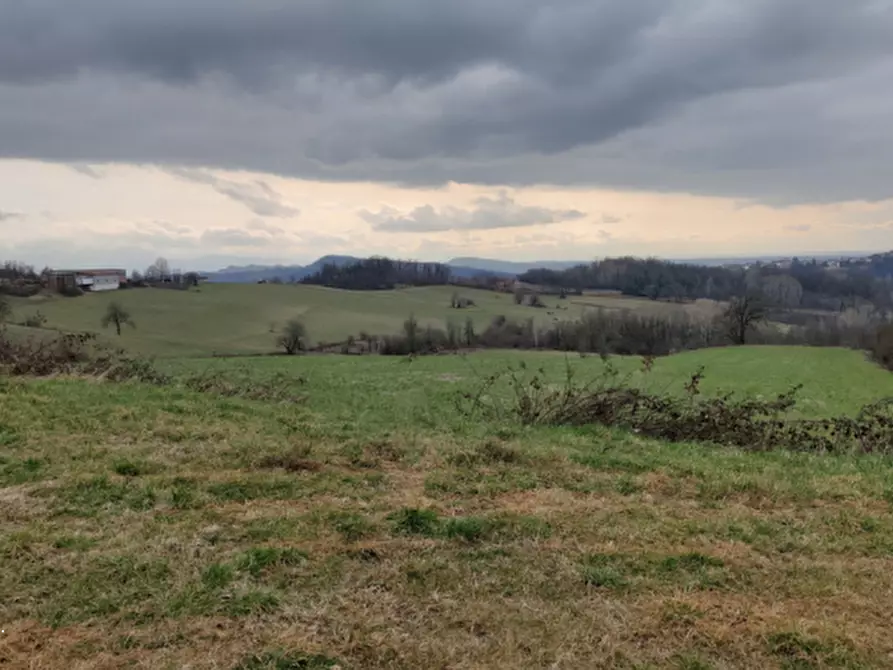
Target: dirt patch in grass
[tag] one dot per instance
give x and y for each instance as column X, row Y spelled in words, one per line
column 17, row 505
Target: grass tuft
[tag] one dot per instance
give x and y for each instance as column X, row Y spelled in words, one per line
column 89, row 497
column 351, row 526
column 409, row 521
column 286, row 661
column 470, row 529
column 218, row 576
column 258, row 559
column 132, row 468
column 800, row 652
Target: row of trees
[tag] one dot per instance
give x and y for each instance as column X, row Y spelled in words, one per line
column 803, row 284
column 16, row 270
column 625, row 333
column 374, row 274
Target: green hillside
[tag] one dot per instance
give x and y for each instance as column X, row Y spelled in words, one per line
column 237, row 318
column 835, row 381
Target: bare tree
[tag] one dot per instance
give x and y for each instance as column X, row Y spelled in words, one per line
column 159, row 269
column 743, row 314
column 454, row 335
column 5, row 309
column 293, row 337
column 411, row 330
column 470, row 336
column 116, row 315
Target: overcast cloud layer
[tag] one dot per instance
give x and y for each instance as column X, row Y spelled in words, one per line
column 779, row 100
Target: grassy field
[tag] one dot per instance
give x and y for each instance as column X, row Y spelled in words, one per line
column 238, row 318
column 371, row 525
column 834, row 380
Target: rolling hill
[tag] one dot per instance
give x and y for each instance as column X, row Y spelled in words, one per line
column 242, row 318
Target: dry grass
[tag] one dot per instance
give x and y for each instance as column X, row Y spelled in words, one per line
column 164, row 528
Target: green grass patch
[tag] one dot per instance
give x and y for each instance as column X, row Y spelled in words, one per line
column 274, row 660
column 100, row 494
column 21, row 471
column 796, row 651
column 257, row 560
column 622, row 571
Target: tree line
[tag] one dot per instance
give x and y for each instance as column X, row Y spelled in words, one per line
column 809, row 284
column 376, row 274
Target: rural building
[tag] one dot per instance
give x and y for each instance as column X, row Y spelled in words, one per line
column 87, row 280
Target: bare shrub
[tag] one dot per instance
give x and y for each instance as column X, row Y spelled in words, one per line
column 460, row 302
column 278, row 387
column 724, row 420
column 117, row 315
column 76, row 354
column 36, row 320
column 417, row 340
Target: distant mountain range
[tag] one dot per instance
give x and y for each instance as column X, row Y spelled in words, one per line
column 461, row 267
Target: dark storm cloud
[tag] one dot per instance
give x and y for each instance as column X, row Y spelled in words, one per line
column 258, row 196
column 780, row 100
column 488, row 214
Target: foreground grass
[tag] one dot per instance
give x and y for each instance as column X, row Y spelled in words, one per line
column 374, row 527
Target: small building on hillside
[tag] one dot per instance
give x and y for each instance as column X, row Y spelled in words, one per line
column 87, row 280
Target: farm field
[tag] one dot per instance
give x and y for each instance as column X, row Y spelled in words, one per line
column 367, row 523
column 237, row 318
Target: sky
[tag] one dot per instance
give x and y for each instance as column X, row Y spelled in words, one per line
column 217, row 132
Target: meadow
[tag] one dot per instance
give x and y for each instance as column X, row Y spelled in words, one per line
column 244, row 318
column 360, row 520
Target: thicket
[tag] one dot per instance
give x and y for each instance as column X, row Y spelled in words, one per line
column 610, row 400
column 70, row 354
column 83, row 356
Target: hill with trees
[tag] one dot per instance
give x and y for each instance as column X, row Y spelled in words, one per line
column 830, row 285
column 380, row 274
